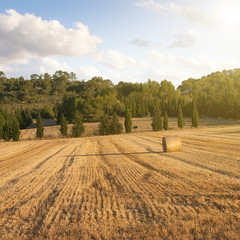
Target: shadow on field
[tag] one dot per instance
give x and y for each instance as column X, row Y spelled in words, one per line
column 112, row 154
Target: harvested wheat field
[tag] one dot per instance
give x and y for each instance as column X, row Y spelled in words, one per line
column 122, row 187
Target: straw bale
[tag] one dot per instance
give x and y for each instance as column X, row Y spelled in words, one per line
column 171, row 144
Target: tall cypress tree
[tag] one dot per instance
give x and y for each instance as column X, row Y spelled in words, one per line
column 195, row 119
column 115, row 125
column 2, row 122
column 128, row 121
column 104, row 126
column 165, row 121
column 180, row 120
column 78, row 127
column 40, row 129
column 7, row 130
column 157, row 120
column 15, row 129
column 63, row 126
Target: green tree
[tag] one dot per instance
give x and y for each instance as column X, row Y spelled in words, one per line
column 165, row 121
column 128, row 120
column 78, row 127
column 195, row 119
column 15, row 129
column 40, row 129
column 115, row 126
column 157, row 120
column 47, row 112
column 7, row 130
column 104, row 126
column 63, row 126
column 2, row 122
column 180, row 120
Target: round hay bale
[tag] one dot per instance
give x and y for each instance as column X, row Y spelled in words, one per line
column 171, row 144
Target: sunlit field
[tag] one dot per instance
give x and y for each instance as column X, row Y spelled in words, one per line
column 123, row 186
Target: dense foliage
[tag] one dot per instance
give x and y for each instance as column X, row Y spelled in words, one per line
column 216, row 95
column 11, row 123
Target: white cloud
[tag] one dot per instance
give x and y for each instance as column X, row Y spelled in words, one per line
column 185, row 40
column 144, row 43
column 36, row 65
column 24, row 36
column 88, row 72
column 113, row 59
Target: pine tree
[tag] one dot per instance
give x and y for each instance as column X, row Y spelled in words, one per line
column 15, row 129
column 63, row 126
column 115, row 125
column 180, row 120
column 157, row 120
column 195, row 119
column 40, row 129
column 78, row 127
column 165, row 121
column 128, row 121
column 104, row 126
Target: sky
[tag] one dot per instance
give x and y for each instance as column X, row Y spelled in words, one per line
column 120, row 40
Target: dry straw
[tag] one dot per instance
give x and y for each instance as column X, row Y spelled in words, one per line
column 171, row 144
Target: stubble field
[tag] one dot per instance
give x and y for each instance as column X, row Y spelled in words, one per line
column 122, row 187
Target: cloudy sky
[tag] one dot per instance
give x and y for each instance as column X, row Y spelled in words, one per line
column 121, row 40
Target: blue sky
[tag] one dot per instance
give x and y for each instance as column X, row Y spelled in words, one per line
column 127, row 40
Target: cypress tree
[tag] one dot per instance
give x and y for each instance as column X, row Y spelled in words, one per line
column 15, row 129
column 165, row 121
column 180, row 120
column 78, row 127
column 63, row 126
column 115, row 125
column 2, row 122
column 104, row 126
column 7, row 130
column 40, row 128
column 195, row 119
column 157, row 120
column 128, row 121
